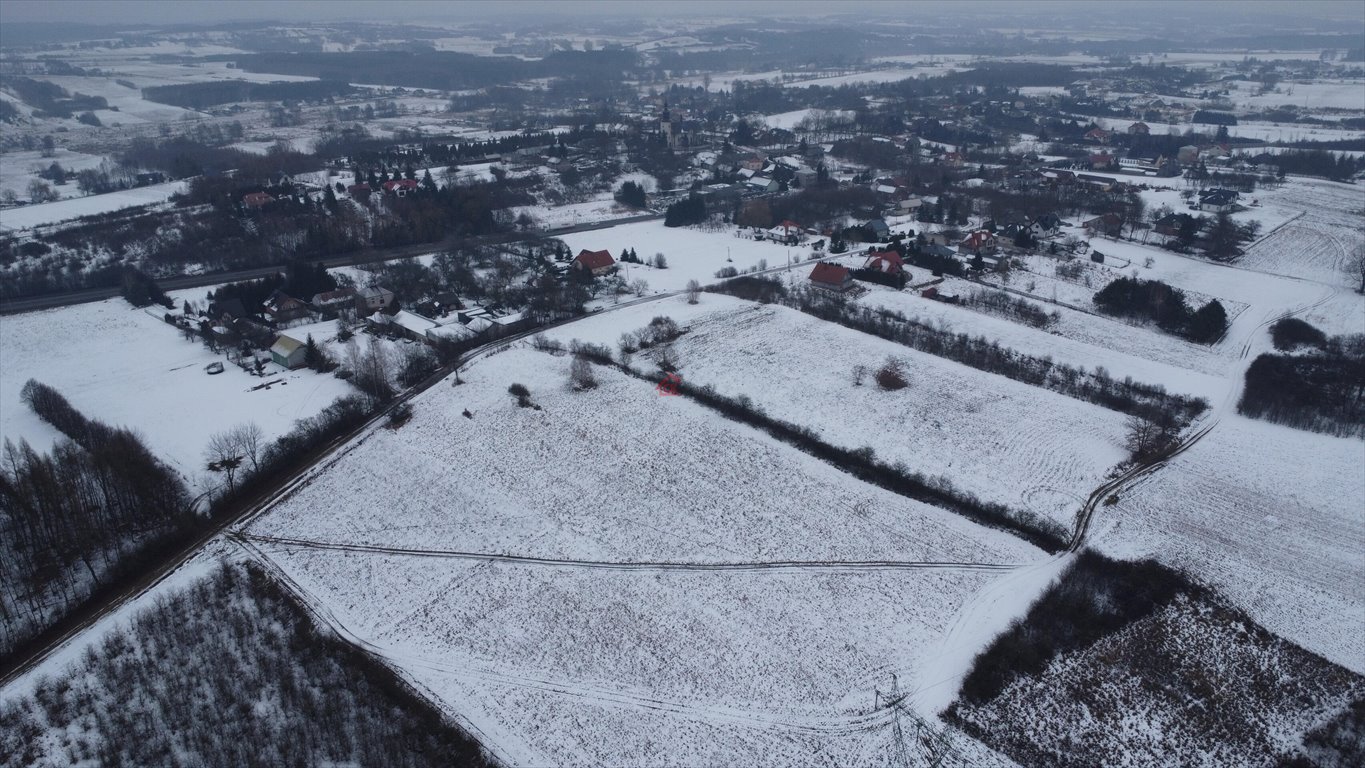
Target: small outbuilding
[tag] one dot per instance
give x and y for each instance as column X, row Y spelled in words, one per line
column 288, row 352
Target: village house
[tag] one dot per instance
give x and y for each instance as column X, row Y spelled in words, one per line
column 788, row 232
column 257, row 200
column 400, row 187
column 1047, row 225
column 280, row 307
column 1109, row 225
column 359, row 192
column 373, row 298
column 1139, row 129
column 334, row 301
column 831, row 278
column 596, row 262
column 886, row 262
column 978, row 243
column 1098, row 135
column 1218, row 200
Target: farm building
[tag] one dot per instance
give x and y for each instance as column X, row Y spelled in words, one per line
column 288, row 352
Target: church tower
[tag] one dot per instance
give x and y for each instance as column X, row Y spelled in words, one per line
column 666, row 128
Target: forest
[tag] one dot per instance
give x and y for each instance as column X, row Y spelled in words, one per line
column 205, row 95
column 77, row 518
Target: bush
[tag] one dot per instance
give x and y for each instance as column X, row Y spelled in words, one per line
column 580, row 375
column 891, row 376
column 1290, row 333
column 725, row 272
column 522, row 394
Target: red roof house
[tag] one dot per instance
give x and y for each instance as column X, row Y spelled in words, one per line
column 257, row 199
column 400, row 187
column 597, row 262
column 978, row 242
column 831, row 278
column 887, row 262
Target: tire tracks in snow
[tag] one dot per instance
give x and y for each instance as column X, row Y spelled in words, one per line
column 657, row 566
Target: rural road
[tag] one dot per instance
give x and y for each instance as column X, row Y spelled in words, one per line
column 49, row 301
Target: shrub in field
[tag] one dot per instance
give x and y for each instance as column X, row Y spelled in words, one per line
column 1291, row 333
column 891, row 376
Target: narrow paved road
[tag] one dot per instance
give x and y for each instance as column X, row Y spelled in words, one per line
column 48, row 301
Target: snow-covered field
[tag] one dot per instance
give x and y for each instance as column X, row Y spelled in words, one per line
column 127, row 367
column 1001, row 440
column 1328, row 224
column 678, row 665
column 31, row 216
column 789, row 120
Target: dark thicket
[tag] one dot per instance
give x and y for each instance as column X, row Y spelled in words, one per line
column 631, row 194
column 229, row 672
column 689, row 210
column 1290, row 333
column 141, row 290
column 1159, row 302
column 203, row 95
column 764, row 290
column 1322, row 392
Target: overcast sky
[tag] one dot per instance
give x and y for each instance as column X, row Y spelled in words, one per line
column 142, row 12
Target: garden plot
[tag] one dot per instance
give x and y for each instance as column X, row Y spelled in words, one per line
column 999, row 439
column 617, row 473
column 1268, row 515
column 692, row 253
column 126, row 367
column 562, row 666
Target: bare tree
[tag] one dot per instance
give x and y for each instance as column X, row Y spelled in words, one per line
column 580, row 374
column 693, row 291
column 223, row 456
column 1355, row 266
